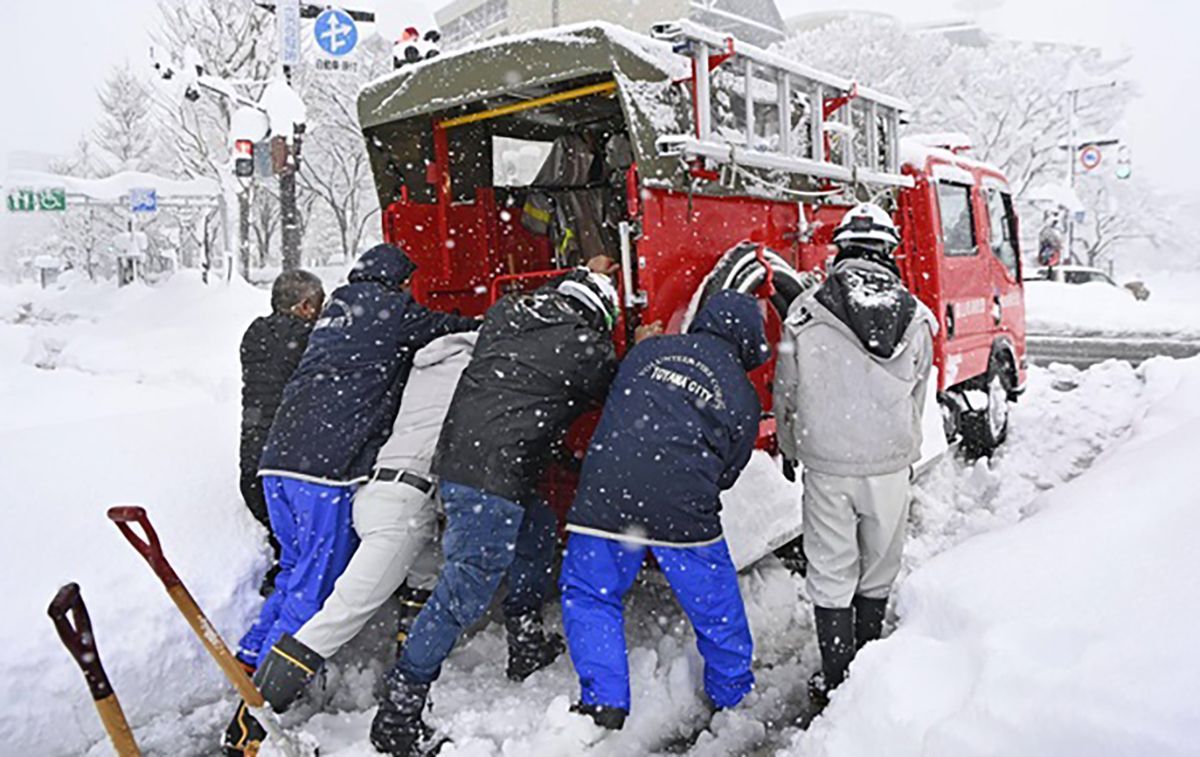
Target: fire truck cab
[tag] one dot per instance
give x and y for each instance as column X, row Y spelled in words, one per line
column 713, row 164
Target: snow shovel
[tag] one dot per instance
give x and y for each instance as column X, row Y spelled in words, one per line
column 77, row 637
column 151, row 550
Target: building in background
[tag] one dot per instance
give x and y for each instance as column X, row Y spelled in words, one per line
column 465, row 21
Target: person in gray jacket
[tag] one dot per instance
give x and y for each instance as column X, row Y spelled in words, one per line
column 395, row 515
column 850, row 386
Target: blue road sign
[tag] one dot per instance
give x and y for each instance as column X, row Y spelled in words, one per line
column 336, row 32
column 143, row 200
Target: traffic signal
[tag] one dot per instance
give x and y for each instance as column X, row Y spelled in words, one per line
column 413, row 46
column 243, row 158
column 1124, row 163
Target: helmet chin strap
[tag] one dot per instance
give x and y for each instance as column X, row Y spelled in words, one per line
column 860, row 251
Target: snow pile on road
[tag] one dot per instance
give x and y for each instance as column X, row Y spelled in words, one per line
column 1070, row 633
column 1101, row 309
column 119, row 397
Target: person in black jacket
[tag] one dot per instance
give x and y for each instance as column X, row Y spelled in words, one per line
column 542, row 359
column 678, row 428
column 271, row 349
column 336, row 412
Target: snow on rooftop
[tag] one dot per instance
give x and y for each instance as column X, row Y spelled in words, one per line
column 655, row 52
column 915, row 151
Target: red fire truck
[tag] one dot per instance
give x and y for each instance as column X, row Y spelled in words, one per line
column 712, row 164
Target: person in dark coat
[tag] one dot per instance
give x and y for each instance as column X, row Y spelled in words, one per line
column 541, row 360
column 677, row 430
column 336, row 412
column 270, row 351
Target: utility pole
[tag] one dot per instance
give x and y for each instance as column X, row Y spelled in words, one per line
column 289, row 13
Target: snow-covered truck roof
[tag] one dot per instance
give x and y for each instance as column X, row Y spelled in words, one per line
column 397, row 111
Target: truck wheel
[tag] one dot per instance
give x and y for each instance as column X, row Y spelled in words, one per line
column 985, row 430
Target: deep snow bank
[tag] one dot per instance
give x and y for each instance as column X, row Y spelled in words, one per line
column 118, row 396
column 1092, row 309
column 1070, row 633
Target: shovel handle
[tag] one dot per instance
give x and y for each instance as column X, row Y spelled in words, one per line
column 125, row 516
column 74, row 627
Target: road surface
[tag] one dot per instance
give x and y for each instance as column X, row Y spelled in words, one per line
column 1083, row 351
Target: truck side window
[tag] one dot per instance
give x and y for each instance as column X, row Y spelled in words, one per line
column 958, row 220
column 1000, row 217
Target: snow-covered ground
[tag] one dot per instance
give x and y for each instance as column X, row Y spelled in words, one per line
column 1023, row 640
column 1101, row 309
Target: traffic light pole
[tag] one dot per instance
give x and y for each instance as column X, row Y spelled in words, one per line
column 289, row 212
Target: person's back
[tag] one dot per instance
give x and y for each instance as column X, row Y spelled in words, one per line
column 537, row 366
column 850, row 386
column 540, row 361
column 678, row 427
column 854, row 359
column 270, row 351
column 338, row 408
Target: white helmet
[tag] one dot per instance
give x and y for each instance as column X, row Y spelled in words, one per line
column 869, row 224
column 596, row 292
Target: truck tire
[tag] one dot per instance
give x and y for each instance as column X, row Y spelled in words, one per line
column 983, row 431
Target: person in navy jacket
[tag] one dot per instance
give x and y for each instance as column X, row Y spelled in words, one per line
column 678, row 428
column 336, row 412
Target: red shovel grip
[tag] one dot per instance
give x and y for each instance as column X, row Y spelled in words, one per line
column 76, row 634
column 127, row 515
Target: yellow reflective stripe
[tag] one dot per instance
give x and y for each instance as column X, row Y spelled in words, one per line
column 566, row 240
column 293, row 660
column 504, row 110
column 538, row 214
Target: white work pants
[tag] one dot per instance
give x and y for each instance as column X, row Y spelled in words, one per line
column 397, row 524
column 854, row 530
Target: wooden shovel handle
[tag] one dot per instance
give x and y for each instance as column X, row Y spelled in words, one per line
column 76, row 634
column 74, row 627
column 126, row 517
column 149, row 547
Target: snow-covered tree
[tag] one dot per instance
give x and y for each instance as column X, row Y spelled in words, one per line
column 335, row 167
column 126, row 134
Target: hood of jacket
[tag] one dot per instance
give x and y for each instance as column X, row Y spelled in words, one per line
column 384, row 264
column 444, row 348
column 872, row 302
column 734, row 317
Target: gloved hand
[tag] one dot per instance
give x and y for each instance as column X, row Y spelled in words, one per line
column 789, row 470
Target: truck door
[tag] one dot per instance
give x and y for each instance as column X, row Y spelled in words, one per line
column 1008, row 301
column 966, row 283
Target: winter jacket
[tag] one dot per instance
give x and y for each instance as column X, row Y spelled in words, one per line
column 850, row 379
column 538, row 365
column 435, row 373
column 679, row 426
column 271, row 349
column 339, row 406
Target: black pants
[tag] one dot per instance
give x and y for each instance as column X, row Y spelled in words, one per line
column 256, row 502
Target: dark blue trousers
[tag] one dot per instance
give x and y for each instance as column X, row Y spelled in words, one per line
column 596, row 573
column 316, row 537
column 487, row 537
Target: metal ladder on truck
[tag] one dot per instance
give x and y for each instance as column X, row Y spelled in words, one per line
column 832, row 106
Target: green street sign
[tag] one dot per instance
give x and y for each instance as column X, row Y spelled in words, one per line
column 52, row 199
column 45, row 200
column 22, row 201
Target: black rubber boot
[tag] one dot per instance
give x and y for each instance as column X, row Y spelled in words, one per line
column 397, row 728
column 244, row 735
column 835, row 638
column 612, row 718
column 868, row 620
column 287, row 669
column 530, row 646
column 412, row 601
